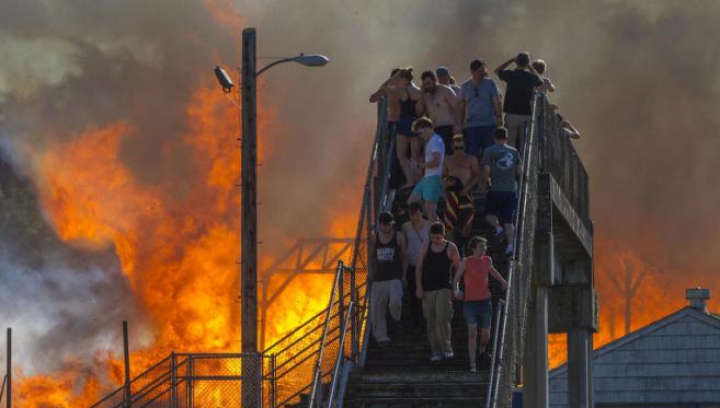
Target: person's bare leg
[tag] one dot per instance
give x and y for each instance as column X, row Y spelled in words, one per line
column 484, row 338
column 415, row 150
column 510, row 233
column 472, row 344
column 430, row 210
column 493, row 221
column 402, row 144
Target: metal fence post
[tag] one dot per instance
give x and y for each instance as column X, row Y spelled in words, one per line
column 9, row 368
column 273, row 380
column 341, row 292
column 173, row 380
column 354, row 322
column 126, row 353
column 190, row 381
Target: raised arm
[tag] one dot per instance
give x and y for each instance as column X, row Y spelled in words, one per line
column 383, row 90
column 503, row 66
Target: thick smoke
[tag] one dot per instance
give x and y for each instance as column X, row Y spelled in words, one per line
column 637, row 78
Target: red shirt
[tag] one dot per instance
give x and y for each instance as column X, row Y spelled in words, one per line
column 476, row 278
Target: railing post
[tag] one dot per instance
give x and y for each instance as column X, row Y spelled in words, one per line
column 126, row 353
column 9, row 368
column 173, row 380
column 354, row 330
column 191, row 381
column 273, row 380
column 341, row 292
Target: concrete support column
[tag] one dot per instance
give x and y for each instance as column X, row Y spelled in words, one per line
column 535, row 392
column 580, row 388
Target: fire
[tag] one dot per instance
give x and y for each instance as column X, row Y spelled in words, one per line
column 658, row 292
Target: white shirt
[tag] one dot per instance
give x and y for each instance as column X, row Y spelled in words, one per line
column 434, row 145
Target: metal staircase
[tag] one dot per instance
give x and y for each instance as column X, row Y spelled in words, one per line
column 329, row 361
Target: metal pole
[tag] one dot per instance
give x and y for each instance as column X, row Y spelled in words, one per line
column 190, row 382
column 273, row 380
column 126, row 351
column 248, row 229
column 173, row 380
column 9, row 368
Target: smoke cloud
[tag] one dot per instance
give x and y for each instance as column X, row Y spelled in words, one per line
column 637, row 78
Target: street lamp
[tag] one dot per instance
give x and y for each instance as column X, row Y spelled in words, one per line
column 251, row 367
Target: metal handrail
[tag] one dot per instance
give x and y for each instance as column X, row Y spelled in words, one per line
column 2, row 389
column 496, row 359
column 519, row 236
column 340, row 355
column 318, row 365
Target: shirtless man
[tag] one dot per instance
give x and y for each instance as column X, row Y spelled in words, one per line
column 441, row 104
column 462, row 173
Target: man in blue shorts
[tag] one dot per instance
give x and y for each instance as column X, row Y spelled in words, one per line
column 430, row 188
column 502, row 165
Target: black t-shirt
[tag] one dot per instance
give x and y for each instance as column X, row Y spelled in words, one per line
column 520, row 87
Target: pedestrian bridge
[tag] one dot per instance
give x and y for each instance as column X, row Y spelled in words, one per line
column 329, row 360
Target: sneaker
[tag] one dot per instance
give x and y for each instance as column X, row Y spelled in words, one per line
column 510, row 249
column 473, row 369
column 499, row 231
column 435, row 359
column 448, row 355
column 486, row 356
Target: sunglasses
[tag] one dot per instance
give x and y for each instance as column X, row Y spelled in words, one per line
column 418, row 133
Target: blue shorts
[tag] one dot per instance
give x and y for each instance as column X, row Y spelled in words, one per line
column 478, row 313
column 502, row 204
column 429, row 188
column 478, row 138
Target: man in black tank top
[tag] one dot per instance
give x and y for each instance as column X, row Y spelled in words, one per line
column 434, row 274
column 386, row 276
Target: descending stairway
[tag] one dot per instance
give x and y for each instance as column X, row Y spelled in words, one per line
column 403, row 376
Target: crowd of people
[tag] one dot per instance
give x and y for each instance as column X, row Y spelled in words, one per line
column 451, row 140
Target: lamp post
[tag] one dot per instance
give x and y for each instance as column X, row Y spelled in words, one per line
column 252, row 367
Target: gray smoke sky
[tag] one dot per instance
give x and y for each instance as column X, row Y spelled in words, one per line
column 638, row 78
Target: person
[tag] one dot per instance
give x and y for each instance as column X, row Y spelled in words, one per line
column 477, row 306
column 480, row 108
column 567, row 128
column 386, row 278
column 429, row 189
column 407, row 94
column 444, row 77
column 521, row 84
column 501, row 164
column 433, row 272
column 540, row 66
column 390, row 90
column 462, row 173
column 416, row 233
column 440, row 103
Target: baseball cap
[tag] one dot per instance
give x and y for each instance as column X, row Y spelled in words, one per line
column 442, row 71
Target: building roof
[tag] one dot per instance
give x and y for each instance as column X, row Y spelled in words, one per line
column 675, row 360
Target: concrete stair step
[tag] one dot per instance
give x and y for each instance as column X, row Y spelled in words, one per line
column 412, row 402
column 429, row 377
column 402, row 390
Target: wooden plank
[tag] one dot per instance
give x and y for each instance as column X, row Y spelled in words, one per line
column 568, row 214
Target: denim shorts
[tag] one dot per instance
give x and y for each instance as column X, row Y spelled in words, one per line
column 478, row 313
column 478, row 138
